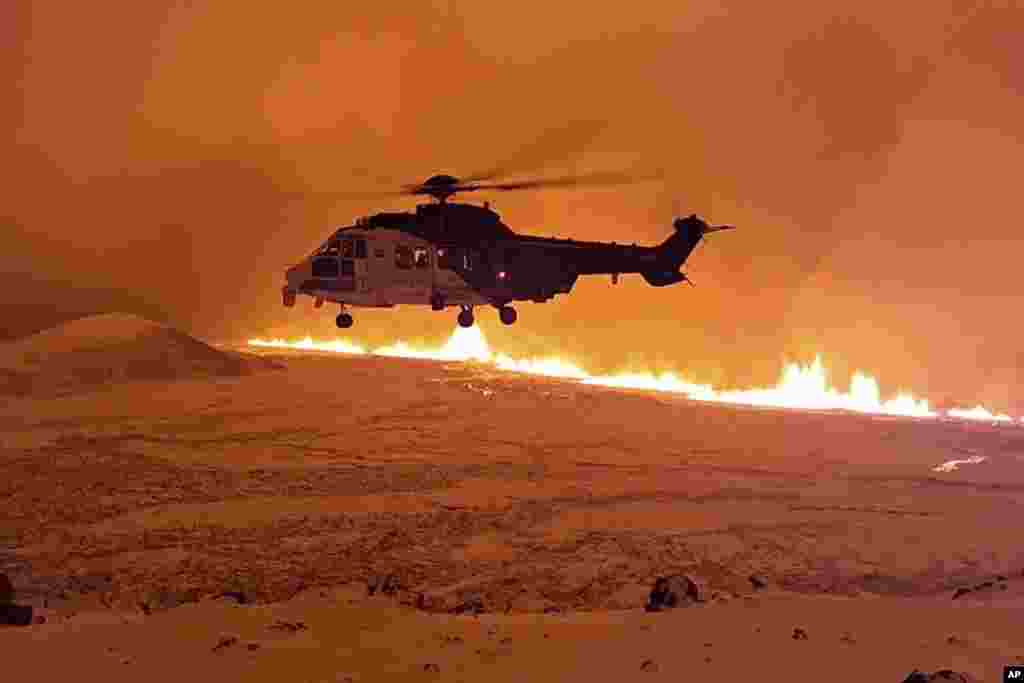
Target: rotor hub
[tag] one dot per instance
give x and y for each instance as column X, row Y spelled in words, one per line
column 440, row 186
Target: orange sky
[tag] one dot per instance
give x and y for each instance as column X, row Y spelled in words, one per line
column 871, row 160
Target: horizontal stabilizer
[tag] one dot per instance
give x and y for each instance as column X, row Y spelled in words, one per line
column 662, row 278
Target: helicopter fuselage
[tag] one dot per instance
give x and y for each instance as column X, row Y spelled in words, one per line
column 448, row 254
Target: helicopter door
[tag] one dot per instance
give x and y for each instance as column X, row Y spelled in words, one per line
column 347, row 266
column 361, row 265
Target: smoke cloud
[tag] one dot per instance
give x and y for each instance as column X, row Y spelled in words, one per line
column 173, row 162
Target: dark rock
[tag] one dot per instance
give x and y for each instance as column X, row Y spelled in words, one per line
column 960, row 592
column 385, row 584
column 941, row 675
column 252, row 646
column 471, row 604
column 289, row 626
column 757, row 582
column 6, row 590
column 16, row 615
column 432, row 668
column 955, row 640
column 224, row 643
column 163, row 599
column 432, row 602
column 949, row 675
column 649, row 665
column 799, row 634
column 237, row 596
column 89, row 583
column 984, row 585
column 677, row 590
column 1001, row 578
column 848, row 639
column 553, row 609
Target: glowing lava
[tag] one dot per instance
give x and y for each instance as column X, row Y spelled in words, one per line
column 308, row 344
column 802, row 387
column 979, row 413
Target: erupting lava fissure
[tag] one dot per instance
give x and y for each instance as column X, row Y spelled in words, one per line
column 801, row 387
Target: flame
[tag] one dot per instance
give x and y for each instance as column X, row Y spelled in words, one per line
column 465, row 344
column 979, row 413
column 800, row 387
column 308, row 344
column 954, row 465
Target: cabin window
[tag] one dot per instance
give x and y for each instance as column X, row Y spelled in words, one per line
column 332, row 248
column 360, row 248
column 346, row 249
column 422, row 258
column 403, row 256
column 380, row 252
column 325, row 267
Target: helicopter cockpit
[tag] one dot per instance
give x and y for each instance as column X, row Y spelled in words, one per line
column 337, row 256
column 340, row 246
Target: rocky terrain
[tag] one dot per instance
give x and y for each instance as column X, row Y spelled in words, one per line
column 376, row 519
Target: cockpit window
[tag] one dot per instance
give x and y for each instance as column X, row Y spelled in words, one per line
column 422, row 258
column 332, row 248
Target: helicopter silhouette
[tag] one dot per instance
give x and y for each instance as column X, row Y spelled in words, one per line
column 455, row 254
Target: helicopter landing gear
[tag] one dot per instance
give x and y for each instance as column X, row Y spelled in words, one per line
column 344, row 321
column 288, row 297
column 507, row 314
column 437, row 302
column 466, row 317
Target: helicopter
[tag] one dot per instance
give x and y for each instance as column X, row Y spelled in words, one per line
column 446, row 254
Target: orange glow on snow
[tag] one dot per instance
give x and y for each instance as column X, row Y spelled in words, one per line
column 800, row 387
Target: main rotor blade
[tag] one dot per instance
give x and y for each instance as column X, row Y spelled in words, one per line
column 555, row 144
column 368, row 194
column 590, row 179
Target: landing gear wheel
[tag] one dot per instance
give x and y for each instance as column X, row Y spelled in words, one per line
column 466, row 318
column 344, row 321
column 437, row 302
column 507, row 314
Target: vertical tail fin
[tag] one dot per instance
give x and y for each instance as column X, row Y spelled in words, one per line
column 674, row 251
column 689, row 232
